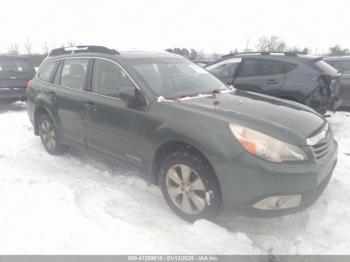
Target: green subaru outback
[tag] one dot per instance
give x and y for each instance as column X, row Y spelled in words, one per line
column 207, row 146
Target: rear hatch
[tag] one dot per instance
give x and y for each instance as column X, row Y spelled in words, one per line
column 15, row 72
column 329, row 82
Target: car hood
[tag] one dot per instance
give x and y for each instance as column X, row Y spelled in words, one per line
column 288, row 121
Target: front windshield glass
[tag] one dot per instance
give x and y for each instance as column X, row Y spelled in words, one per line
column 176, row 77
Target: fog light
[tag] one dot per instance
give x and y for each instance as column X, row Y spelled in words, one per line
column 278, row 202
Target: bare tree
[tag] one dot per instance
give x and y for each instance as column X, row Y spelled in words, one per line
column 71, row 43
column 13, row 49
column 28, row 46
column 45, row 48
column 271, row 44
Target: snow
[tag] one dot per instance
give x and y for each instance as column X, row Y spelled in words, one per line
column 80, row 203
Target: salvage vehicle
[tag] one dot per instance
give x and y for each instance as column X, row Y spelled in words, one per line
column 15, row 72
column 289, row 75
column 342, row 64
column 207, row 146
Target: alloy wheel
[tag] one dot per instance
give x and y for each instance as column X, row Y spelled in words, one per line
column 48, row 134
column 186, row 189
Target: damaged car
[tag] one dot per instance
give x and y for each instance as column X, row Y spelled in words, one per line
column 289, row 75
column 207, row 146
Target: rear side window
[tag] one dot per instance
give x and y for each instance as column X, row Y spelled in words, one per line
column 108, row 78
column 8, row 64
column 74, row 71
column 259, row 67
column 47, row 72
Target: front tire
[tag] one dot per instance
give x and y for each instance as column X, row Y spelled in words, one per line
column 48, row 135
column 189, row 186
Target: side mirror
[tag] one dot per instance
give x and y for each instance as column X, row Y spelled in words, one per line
column 132, row 96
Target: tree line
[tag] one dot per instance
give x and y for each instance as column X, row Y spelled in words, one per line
column 264, row 44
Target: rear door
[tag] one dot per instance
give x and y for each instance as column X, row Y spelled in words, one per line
column 68, row 95
column 112, row 126
column 261, row 76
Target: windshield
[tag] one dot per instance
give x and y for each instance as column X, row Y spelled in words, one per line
column 176, row 77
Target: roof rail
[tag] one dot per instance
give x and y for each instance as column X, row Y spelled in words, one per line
column 291, row 53
column 83, row 49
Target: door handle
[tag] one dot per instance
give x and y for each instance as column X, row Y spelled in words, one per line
column 90, row 106
column 52, row 95
column 272, row 82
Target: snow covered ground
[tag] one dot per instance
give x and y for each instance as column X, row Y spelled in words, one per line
column 80, row 204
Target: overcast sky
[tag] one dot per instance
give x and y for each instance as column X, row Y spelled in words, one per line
column 214, row 26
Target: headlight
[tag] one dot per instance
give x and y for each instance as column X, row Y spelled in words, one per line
column 266, row 147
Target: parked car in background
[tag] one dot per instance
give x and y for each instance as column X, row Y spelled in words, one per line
column 300, row 78
column 15, row 72
column 207, row 146
column 342, row 64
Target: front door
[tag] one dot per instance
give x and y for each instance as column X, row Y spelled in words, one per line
column 112, row 127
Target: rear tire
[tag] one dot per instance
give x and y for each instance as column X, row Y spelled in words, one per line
column 48, row 135
column 189, row 186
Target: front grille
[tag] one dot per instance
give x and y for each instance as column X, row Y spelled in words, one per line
column 324, row 144
column 320, row 150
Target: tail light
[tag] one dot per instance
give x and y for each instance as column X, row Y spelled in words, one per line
column 29, row 86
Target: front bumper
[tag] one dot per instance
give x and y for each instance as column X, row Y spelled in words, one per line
column 13, row 93
column 254, row 180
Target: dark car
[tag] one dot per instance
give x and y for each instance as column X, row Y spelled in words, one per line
column 206, row 145
column 301, row 78
column 15, row 72
column 342, row 64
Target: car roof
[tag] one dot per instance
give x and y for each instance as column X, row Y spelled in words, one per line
column 147, row 54
column 277, row 57
column 100, row 51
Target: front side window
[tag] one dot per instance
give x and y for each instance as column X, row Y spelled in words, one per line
column 225, row 68
column 260, row 67
column 73, row 74
column 175, row 77
column 47, row 72
column 108, row 78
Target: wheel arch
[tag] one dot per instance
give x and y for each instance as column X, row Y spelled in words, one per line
column 39, row 111
column 172, row 146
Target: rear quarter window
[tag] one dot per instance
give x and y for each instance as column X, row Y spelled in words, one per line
column 47, row 72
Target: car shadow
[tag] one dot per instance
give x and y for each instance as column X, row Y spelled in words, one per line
column 14, row 107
